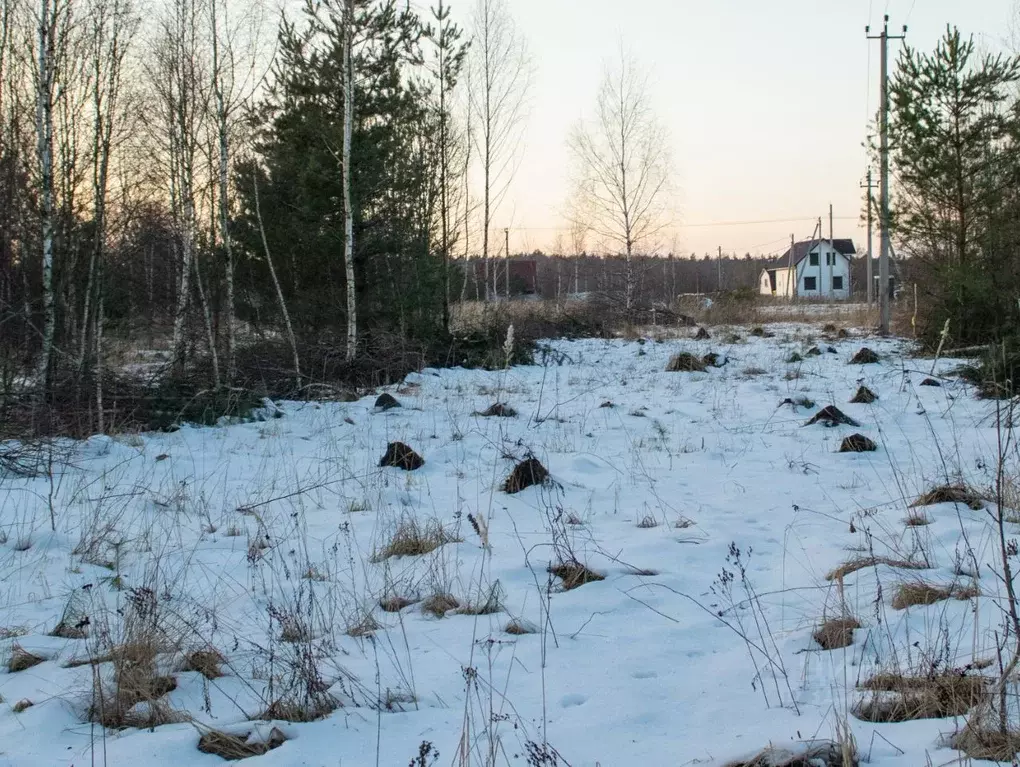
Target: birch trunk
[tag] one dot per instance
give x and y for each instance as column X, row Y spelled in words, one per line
column 210, row 337
column 224, row 163
column 44, row 138
column 348, row 85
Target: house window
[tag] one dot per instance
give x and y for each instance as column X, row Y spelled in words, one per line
column 811, row 283
column 830, row 259
column 837, row 283
column 813, row 259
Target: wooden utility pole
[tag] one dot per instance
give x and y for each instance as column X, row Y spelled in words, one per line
column 719, row 269
column 868, row 185
column 506, row 254
column 832, row 255
column 883, row 261
column 791, row 276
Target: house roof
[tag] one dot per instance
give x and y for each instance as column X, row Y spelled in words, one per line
column 801, row 249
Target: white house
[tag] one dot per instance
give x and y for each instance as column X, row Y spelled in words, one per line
column 814, row 269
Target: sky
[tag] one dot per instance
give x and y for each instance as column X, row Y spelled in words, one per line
column 767, row 103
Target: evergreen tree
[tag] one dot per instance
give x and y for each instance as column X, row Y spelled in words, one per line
column 394, row 178
column 955, row 122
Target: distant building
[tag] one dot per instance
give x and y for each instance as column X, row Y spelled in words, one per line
column 811, row 269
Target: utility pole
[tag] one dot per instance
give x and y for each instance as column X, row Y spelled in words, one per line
column 506, row 240
column 719, row 268
column 871, row 278
column 831, row 254
column 883, row 259
column 791, row 275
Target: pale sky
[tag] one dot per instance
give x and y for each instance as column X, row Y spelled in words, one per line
column 767, row 102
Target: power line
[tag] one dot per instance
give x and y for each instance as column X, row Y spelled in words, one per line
column 907, row 21
column 699, row 225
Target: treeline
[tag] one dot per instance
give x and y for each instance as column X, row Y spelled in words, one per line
column 657, row 279
column 204, row 176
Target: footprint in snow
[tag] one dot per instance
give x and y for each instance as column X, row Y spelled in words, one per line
column 569, row 701
column 644, row 675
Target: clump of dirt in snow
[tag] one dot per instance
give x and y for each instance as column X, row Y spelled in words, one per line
column 830, row 415
column 498, row 410
column 386, row 401
column 701, row 335
column 685, row 362
column 864, row 396
column 525, row 474
column 857, row 443
column 401, row 456
column 930, row 382
column 864, row 356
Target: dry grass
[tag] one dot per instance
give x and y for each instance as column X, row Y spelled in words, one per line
column 836, row 633
column 22, row 660
column 439, row 604
column 235, row 747
column 136, row 681
column 489, row 602
column 924, row 593
column 365, row 627
column 519, row 628
column 312, row 709
column 574, row 574
column 953, row 494
column 754, row 371
column 22, row 705
column 859, row 563
column 647, row 522
column 916, row 519
column 394, row 604
column 205, row 662
column 817, row 754
column 412, row 538
column 900, row 698
column 988, row 744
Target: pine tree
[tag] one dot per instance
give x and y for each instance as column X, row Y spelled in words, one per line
column 953, row 133
column 394, row 173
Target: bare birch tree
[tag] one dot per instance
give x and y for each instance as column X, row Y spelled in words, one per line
column 52, row 20
column 176, row 81
column 237, row 69
column 500, row 80
column 623, row 164
column 348, row 127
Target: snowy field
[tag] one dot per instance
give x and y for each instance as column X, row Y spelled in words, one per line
column 231, row 578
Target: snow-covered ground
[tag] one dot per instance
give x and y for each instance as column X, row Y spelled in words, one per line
column 708, row 506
